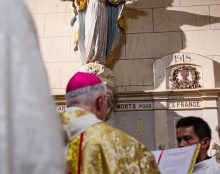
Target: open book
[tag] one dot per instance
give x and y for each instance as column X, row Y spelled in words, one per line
column 178, row 160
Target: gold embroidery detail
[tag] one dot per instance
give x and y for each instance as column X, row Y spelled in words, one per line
column 115, row 2
column 111, row 56
column 107, row 150
column 121, row 22
column 112, row 53
column 73, row 155
column 75, row 40
column 80, row 113
column 67, row 116
column 81, row 4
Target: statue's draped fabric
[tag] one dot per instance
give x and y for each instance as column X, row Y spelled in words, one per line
column 30, row 131
column 96, row 23
column 99, row 26
column 95, row 147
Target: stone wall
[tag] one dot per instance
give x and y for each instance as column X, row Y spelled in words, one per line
column 154, row 28
column 55, row 34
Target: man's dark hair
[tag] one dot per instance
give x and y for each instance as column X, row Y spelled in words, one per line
column 201, row 128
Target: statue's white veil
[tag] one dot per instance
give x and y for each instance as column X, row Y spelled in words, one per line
column 30, row 130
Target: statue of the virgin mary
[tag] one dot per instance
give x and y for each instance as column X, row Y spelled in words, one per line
column 98, row 27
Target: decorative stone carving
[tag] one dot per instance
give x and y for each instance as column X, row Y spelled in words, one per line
column 216, row 147
column 93, row 68
column 184, row 77
column 184, row 71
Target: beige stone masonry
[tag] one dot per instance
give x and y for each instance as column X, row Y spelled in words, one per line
column 215, row 11
column 153, row 3
column 138, row 20
column 139, row 88
column 152, row 45
column 202, row 42
column 121, row 88
column 181, row 18
column 51, row 6
column 198, row 2
column 139, row 72
column 58, row 24
column 63, row 72
column 217, row 70
column 55, row 49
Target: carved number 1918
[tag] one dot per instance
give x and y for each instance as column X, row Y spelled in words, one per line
column 182, row 58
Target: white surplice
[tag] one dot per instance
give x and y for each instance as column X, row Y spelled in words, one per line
column 209, row 166
column 79, row 125
column 31, row 139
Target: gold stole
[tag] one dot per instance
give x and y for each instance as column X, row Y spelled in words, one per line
column 74, row 156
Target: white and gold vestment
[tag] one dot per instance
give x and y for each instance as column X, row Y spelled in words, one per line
column 96, row 147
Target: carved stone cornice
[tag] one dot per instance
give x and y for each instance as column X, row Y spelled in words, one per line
column 187, row 99
column 201, row 92
column 145, row 100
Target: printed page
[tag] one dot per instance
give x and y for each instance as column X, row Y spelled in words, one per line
column 176, row 161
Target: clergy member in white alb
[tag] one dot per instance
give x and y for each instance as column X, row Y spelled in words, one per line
column 194, row 130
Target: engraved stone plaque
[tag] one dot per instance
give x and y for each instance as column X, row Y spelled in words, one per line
column 183, row 71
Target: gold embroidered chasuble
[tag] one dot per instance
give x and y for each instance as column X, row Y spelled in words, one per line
column 102, row 149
